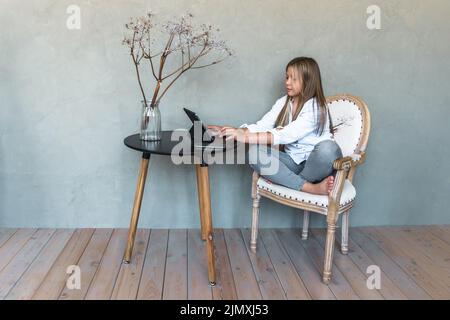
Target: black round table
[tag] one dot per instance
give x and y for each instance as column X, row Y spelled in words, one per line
column 165, row 147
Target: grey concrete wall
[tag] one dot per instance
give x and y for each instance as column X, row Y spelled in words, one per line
column 68, row 98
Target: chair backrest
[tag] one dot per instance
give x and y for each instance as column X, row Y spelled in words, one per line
column 351, row 120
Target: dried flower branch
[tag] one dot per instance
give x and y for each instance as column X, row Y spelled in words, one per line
column 190, row 43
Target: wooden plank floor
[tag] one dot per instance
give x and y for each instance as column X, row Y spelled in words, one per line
column 171, row 264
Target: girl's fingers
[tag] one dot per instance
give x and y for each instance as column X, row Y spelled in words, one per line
column 229, row 138
column 226, row 128
column 230, row 134
column 213, row 132
column 227, row 132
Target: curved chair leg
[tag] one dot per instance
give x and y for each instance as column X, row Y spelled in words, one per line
column 305, row 225
column 255, row 213
column 329, row 247
column 332, row 216
column 255, row 216
column 344, row 232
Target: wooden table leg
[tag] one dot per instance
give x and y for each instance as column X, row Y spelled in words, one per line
column 136, row 207
column 200, row 203
column 205, row 199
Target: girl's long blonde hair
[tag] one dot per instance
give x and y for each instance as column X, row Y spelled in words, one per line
column 309, row 73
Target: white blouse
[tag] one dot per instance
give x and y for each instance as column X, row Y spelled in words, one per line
column 299, row 136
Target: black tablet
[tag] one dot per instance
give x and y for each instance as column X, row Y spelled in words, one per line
column 194, row 117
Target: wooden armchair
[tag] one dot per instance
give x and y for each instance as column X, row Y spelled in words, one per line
column 351, row 120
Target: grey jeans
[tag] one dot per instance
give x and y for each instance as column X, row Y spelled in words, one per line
column 317, row 167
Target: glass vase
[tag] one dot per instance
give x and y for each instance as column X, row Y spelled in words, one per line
column 150, row 121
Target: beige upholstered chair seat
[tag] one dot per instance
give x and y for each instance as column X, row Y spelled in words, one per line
column 347, row 196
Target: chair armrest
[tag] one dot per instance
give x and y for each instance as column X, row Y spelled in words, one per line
column 359, row 157
column 346, row 163
column 345, row 168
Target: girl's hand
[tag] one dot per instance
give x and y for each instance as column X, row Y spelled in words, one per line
column 225, row 131
column 214, row 127
column 234, row 133
column 217, row 130
column 224, row 128
column 214, row 130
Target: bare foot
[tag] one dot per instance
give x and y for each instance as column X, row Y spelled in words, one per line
column 324, row 187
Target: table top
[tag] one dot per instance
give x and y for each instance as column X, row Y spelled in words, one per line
column 164, row 146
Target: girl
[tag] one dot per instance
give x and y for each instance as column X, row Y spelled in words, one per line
column 300, row 123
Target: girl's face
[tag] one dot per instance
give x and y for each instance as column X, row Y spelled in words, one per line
column 293, row 82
